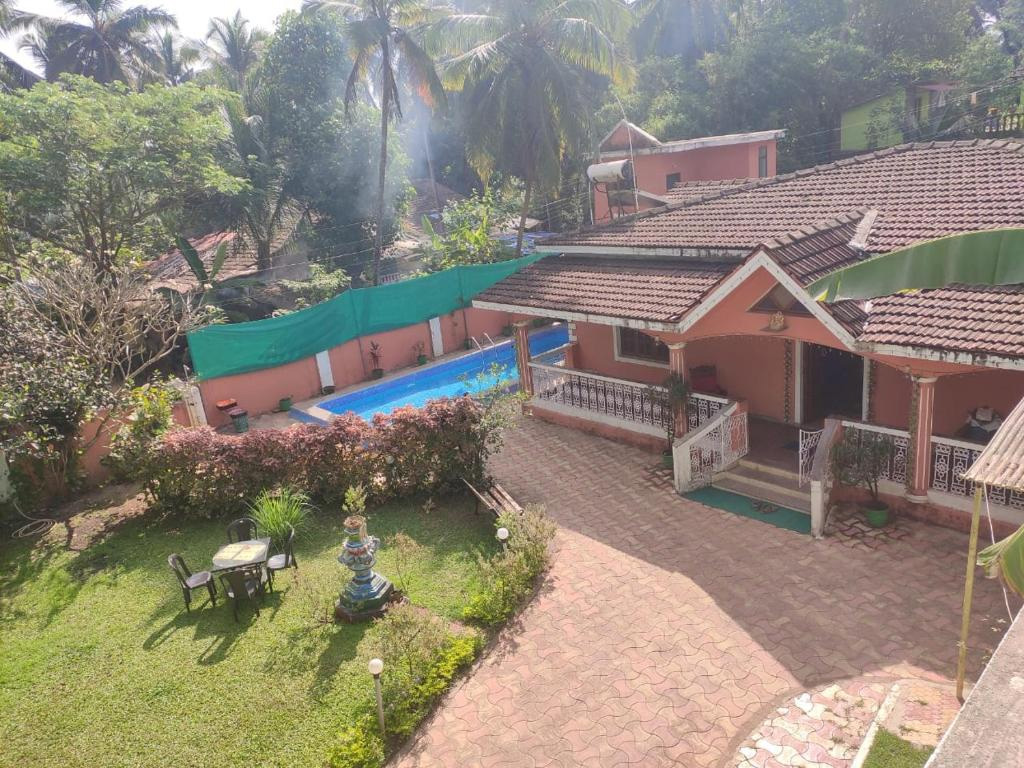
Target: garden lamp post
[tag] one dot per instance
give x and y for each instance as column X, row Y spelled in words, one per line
column 376, row 666
column 502, row 535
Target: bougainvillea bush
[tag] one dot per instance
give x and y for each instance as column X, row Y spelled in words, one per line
column 199, row 472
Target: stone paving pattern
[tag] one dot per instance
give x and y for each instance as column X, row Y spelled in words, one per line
column 666, row 632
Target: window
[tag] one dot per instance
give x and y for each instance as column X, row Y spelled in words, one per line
column 672, row 179
column 778, row 299
column 762, row 161
column 637, row 345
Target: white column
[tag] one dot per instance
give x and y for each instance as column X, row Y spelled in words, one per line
column 193, row 398
column 323, row 367
column 436, row 339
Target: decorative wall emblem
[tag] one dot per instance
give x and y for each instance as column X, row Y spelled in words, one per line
column 776, row 322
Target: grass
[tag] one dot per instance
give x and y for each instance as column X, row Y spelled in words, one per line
column 101, row 665
column 890, row 751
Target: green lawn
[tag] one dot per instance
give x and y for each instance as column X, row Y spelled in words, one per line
column 890, row 751
column 101, row 666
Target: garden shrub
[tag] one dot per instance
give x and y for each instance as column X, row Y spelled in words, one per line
column 508, row 577
column 202, row 473
column 280, row 511
column 358, row 746
column 149, row 417
column 421, row 656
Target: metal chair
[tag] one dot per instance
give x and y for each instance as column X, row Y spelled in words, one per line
column 285, row 559
column 242, row 529
column 242, row 583
column 189, row 581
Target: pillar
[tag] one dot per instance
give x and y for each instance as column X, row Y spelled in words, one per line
column 572, row 351
column 921, row 418
column 677, row 366
column 522, row 341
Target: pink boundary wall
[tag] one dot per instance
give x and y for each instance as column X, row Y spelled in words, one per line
column 259, row 391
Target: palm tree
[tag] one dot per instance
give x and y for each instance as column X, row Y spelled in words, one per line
column 102, row 39
column 12, row 74
column 687, row 28
column 176, row 58
column 234, row 46
column 521, row 67
column 383, row 34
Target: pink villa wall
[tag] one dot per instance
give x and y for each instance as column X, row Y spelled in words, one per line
column 596, row 353
column 733, row 161
column 92, row 460
column 749, row 368
column 259, row 391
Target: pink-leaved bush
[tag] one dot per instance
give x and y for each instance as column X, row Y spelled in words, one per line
column 199, row 472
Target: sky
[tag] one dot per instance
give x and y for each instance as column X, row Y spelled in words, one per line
column 193, row 15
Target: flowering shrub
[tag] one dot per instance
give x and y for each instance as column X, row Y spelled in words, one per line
column 203, row 473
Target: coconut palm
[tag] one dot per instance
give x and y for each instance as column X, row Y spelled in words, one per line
column 233, row 47
column 386, row 50
column 176, row 58
column 102, row 39
column 12, row 74
column 687, row 28
column 521, row 67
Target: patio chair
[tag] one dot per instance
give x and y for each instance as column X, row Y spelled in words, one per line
column 704, row 380
column 189, row 581
column 243, row 584
column 242, row 529
column 285, row 559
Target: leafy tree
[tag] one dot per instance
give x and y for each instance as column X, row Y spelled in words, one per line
column 466, row 232
column 234, row 46
column 915, row 30
column 522, row 68
column 102, row 39
column 91, row 168
column 383, row 39
column 331, row 158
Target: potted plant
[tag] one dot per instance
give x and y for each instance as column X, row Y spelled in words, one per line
column 860, row 458
column 285, row 404
column 421, row 355
column 375, row 360
column 507, row 330
column 671, row 395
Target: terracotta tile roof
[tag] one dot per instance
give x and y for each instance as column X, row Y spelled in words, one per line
column 921, row 191
column 660, row 291
column 813, row 251
column 692, row 191
column 961, row 318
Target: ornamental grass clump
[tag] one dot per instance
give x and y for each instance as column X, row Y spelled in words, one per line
column 279, row 512
column 508, row 577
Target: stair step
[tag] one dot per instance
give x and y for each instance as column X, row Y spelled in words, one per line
column 759, row 474
column 770, row 469
column 754, row 489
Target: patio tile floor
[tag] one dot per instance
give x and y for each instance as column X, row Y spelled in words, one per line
column 667, row 633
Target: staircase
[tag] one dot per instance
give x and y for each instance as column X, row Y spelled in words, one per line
column 765, row 482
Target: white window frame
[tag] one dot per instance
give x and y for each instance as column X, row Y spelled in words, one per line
column 619, row 357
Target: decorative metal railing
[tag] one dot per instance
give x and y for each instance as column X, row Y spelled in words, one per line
column 597, row 394
column 896, row 466
column 1008, row 122
column 700, row 408
column 808, row 446
column 950, row 459
column 711, row 448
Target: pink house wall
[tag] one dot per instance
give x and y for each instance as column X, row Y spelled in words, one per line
column 92, row 459
column 732, row 161
column 596, row 353
column 890, row 397
column 259, row 391
column 748, row 368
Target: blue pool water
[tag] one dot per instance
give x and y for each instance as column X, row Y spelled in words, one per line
column 465, row 375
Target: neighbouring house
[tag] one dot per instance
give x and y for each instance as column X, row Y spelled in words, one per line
column 659, row 166
column 713, row 287
column 893, row 117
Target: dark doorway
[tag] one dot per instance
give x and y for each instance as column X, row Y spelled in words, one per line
column 833, row 383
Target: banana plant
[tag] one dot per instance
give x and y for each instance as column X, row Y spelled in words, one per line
column 195, row 262
column 1006, row 557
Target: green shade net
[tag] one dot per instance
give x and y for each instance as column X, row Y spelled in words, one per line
column 1008, row 556
column 223, row 350
column 989, row 257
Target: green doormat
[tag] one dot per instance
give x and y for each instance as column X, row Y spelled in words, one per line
column 781, row 517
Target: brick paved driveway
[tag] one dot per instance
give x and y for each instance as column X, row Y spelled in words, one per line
column 666, row 631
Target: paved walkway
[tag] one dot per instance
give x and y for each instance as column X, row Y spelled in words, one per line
column 666, row 632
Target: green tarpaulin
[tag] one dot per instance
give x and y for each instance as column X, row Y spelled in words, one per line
column 222, row 350
column 988, row 257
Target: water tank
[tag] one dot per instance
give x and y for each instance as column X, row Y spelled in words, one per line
column 611, row 173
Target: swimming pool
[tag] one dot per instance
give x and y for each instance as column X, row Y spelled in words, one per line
column 464, row 375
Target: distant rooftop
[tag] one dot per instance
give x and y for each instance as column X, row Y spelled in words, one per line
column 627, row 137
